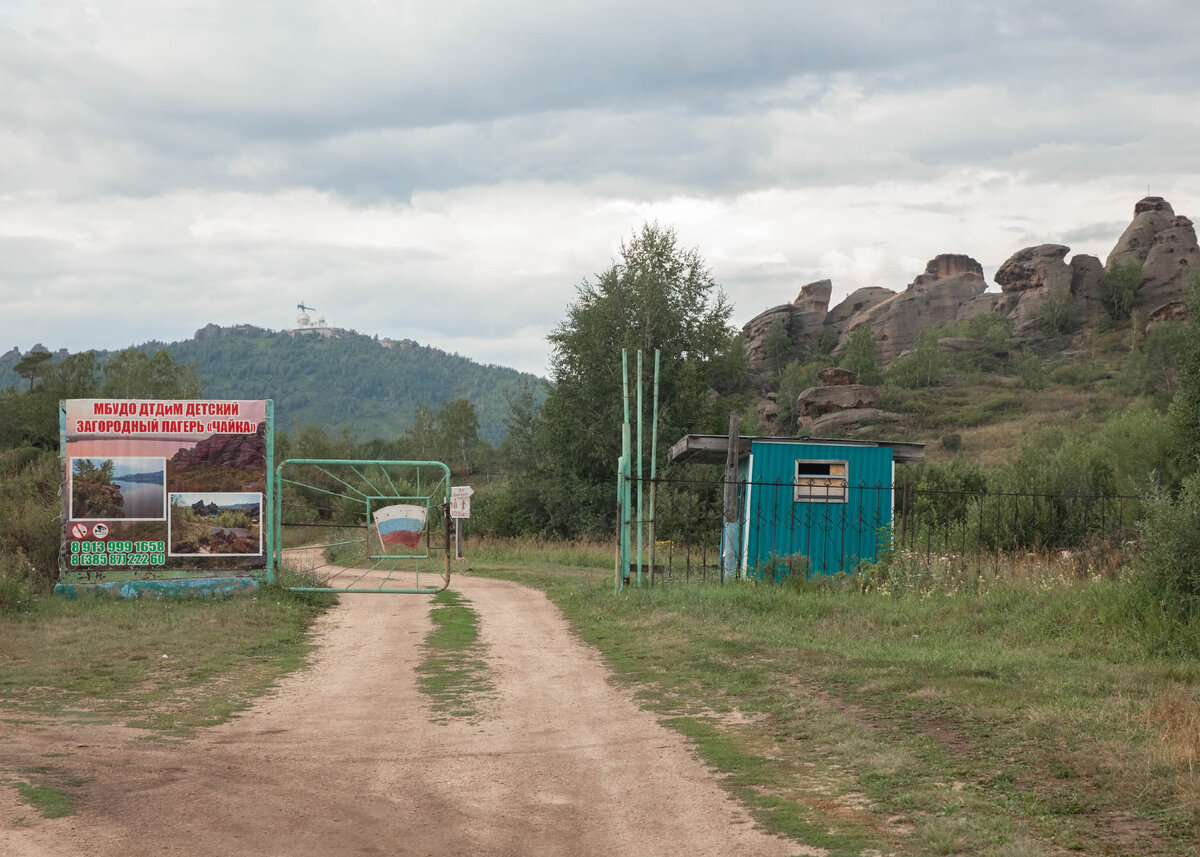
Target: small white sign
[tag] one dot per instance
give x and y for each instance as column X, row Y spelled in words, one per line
column 461, row 491
column 460, row 507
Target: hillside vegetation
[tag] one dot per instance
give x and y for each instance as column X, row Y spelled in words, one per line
column 349, row 381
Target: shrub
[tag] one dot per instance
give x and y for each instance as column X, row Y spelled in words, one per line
column 1058, row 313
column 1029, row 371
column 923, row 366
column 16, row 588
column 1170, row 559
column 30, row 507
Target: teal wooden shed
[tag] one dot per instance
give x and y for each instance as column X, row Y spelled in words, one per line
column 821, row 504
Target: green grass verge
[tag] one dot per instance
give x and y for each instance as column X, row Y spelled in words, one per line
column 168, row 666
column 47, row 800
column 453, row 672
column 1021, row 721
column 49, row 790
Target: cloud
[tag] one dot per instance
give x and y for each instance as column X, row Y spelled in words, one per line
column 450, row 172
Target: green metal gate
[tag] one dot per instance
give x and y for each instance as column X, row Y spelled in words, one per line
column 361, row 526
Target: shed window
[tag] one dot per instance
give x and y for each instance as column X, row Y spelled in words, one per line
column 820, row 482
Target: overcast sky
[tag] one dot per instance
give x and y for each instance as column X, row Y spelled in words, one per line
column 450, row 171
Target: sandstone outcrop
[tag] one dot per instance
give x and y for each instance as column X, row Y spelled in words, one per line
column 1172, row 311
column 952, row 289
column 755, row 332
column 1087, row 286
column 1164, row 245
column 824, row 400
column 1027, row 278
column 860, row 300
column 803, row 319
column 950, row 283
column 814, row 298
column 1150, row 216
column 836, row 376
column 851, row 420
column 1172, row 259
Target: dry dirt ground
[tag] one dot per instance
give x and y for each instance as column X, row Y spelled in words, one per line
column 347, row 758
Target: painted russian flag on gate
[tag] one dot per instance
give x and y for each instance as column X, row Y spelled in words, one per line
column 400, row 525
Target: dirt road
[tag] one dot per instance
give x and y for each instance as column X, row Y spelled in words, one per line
column 346, row 759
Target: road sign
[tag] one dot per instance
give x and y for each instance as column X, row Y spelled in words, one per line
column 461, row 491
column 460, row 507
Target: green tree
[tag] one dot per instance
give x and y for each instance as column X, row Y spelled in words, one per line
column 923, row 366
column 1058, row 313
column 1153, row 366
column 423, row 437
column 1185, row 406
column 131, row 374
column 458, row 430
column 32, row 365
column 793, row 380
column 859, row 356
column 1121, row 284
column 656, row 295
column 519, row 451
column 777, row 344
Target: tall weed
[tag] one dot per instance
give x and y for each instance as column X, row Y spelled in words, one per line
column 31, row 509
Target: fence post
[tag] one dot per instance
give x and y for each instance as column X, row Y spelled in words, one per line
column 730, row 502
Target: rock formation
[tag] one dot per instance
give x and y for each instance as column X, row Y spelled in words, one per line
column 1170, row 311
column 824, row 400
column 1170, row 263
column 1087, row 287
column 1164, row 245
column 952, row 289
column 835, row 376
column 803, row 319
column 850, row 421
column 936, row 297
column 755, row 332
column 1027, row 278
column 860, row 300
column 1150, row 216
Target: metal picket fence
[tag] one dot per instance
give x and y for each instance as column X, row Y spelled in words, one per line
column 975, row 531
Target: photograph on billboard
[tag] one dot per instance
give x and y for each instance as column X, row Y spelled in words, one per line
column 101, row 489
column 215, row 522
column 161, row 489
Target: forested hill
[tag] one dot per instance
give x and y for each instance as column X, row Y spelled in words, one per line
column 346, row 381
column 351, row 380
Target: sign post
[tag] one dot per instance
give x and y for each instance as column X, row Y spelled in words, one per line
column 460, row 507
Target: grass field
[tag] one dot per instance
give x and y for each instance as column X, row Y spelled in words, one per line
column 1044, row 716
column 168, row 666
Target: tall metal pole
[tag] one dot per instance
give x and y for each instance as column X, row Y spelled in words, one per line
column 640, row 455
column 620, row 503
column 653, row 463
column 626, row 501
column 625, row 453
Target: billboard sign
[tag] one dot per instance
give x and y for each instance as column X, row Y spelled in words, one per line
column 157, row 489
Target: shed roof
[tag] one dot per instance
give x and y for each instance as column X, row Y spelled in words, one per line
column 711, row 448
